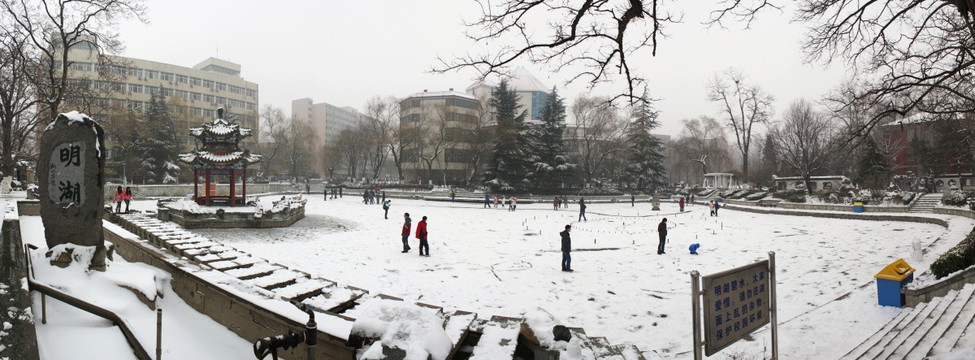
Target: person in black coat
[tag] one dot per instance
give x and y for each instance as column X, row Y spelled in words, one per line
column 662, row 231
column 566, row 248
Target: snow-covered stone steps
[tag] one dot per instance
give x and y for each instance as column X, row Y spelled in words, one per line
column 930, row 329
column 926, row 203
column 303, row 288
column 277, row 279
column 252, row 271
column 922, row 343
column 336, row 299
column 953, row 336
column 498, row 340
column 457, row 326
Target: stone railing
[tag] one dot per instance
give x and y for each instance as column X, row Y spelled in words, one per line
column 954, row 211
column 230, row 219
column 912, row 297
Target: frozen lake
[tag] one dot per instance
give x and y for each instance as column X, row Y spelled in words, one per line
column 496, row 262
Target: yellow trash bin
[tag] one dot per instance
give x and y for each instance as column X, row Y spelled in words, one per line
column 890, row 280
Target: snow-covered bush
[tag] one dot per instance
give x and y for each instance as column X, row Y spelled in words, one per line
column 957, row 258
column 757, row 195
column 957, row 198
column 796, row 196
column 828, row 197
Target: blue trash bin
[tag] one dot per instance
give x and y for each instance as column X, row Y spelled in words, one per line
column 890, row 280
column 858, row 207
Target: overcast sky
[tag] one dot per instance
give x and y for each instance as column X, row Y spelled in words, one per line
column 345, row 52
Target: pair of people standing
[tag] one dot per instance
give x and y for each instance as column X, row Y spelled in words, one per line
column 421, row 233
column 714, row 205
column 121, row 196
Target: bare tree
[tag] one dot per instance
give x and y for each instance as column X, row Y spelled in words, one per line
column 702, row 142
column 298, row 148
column 383, row 117
column 478, row 138
column 597, row 132
column 433, row 138
column 743, row 106
column 803, row 140
column 331, row 158
column 597, row 35
column 350, row 146
column 18, row 100
column 275, row 131
column 54, row 26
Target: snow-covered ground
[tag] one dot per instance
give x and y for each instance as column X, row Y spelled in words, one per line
column 496, row 262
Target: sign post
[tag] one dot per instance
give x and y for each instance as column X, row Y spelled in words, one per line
column 736, row 303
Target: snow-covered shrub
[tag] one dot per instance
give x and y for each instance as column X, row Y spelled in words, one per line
column 957, row 258
column 796, row 196
column 957, row 198
column 828, row 197
column 757, row 195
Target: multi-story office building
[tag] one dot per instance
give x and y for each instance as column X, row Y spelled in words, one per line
column 531, row 92
column 326, row 121
column 441, row 130
column 193, row 94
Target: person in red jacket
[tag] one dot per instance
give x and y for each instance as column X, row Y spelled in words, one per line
column 407, row 223
column 118, row 197
column 421, row 233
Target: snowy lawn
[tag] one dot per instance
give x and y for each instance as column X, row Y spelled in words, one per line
column 496, row 262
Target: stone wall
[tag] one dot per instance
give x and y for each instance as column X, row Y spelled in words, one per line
column 180, row 190
column 244, row 318
column 837, row 215
column 954, row 211
column 191, row 220
column 912, row 297
column 822, row 207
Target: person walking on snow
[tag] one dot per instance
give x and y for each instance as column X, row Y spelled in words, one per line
column 118, row 198
column 127, row 197
column 555, row 203
column 717, row 205
column 406, row 232
column 681, row 203
column 487, row 201
column 582, row 209
column 711, row 206
column 421, row 233
column 632, row 200
column 662, row 232
column 386, row 209
column 566, row 249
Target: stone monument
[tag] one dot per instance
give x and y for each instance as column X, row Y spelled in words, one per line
column 656, row 201
column 70, row 167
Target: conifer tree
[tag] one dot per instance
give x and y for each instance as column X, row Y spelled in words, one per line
column 874, row 166
column 158, row 146
column 550, row 164
column 507, row 168
column 645, row 153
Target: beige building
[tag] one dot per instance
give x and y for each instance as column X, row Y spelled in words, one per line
column 327, row 121
column 194, row 93
column 439, row 127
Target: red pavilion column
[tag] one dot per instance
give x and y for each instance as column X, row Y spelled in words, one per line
column 196, row 183
column 207, row 190
column 243, row 184
column 232, row 198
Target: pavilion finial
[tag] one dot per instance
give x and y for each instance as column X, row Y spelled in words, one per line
column 220, row 112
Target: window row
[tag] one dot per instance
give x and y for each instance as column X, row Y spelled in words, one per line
column 168, row 92
column 146, row 74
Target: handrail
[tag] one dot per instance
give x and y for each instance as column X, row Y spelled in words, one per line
column 140, row 352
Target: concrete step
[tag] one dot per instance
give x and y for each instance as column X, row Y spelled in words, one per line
column 253, row 271
column 902, row 317
column 923, row 347
column 498, row 340
column 957, row 328
column 893, row 339
column 457, row 326
column 278, row 279
column 302, row 289
column 336, row 299
column 909, row 338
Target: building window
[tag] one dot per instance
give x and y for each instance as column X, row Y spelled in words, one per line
column 208, row 84
column 134, row 88
column 165, row 76
column 194, row 81
column 151, row 74
column 183, row 79
column 221, row 86
column 135, row 72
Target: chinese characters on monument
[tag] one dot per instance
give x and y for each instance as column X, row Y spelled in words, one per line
column 70, row 172
column 67, row 173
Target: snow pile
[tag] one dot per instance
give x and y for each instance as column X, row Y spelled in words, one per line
column 76, row 276
column 289, row 202
column 414, row 329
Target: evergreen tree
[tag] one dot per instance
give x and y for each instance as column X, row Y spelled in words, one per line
column 506, row 170
column 770, row 160
column 645, row 156
column 550, row 164
column 158, row 147
column 874, row 166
